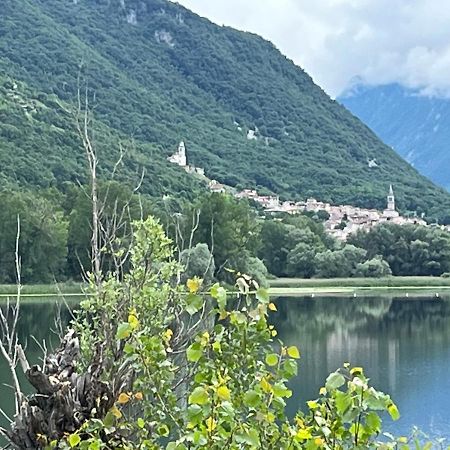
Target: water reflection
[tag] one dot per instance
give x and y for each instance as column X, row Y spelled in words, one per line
column 403, row 344
column 37, row 319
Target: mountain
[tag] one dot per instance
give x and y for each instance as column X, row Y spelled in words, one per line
column 161, row 74
column 417, row 126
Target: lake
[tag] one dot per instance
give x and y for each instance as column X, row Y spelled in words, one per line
column 402, row 343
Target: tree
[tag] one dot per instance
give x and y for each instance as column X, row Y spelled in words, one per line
column 301, row 261
column 274, row 246
column 340, row 263
column 43, row 238
column 373, row 268
column 117, row 207
column 227, row 226
column 197, row 262
column 408, row 249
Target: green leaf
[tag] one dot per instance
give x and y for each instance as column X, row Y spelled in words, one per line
column 393, row 412
column 199, row 396
column 109, row 420
column 194, row 352
column 343, row 401
column 194, row 413
column 251, row 399
column 262, row 295
column 374, row 422
column 193, row 303
column 289, row 368
column 335, row 380
column 220, row 294
column 140, row 422
column 123, row 331
column 280, row 390
column 74, row 440
column 163, row 430
column 293, row 352
column 272, row 359
column 94, row 445
column 249, row 437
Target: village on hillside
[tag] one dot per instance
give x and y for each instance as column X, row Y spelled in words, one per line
column 342, row 220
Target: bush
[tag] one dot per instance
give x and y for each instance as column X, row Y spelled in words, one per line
column 373, row 268
column 197, row 262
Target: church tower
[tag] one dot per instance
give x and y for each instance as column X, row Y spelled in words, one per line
column 391, row 199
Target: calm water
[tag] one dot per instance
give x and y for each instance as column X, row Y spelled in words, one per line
column 403, row 344
column 38, row 320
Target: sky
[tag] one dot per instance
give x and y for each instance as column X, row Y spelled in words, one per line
column 341, row 43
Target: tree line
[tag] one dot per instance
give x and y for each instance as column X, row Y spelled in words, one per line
column 213, row 235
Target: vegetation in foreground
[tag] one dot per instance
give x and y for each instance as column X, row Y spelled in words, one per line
column 185, row 367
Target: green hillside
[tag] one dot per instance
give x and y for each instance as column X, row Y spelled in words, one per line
column 161, row 74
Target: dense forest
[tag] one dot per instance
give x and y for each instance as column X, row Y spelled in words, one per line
column 213, row 236
column 157, row 74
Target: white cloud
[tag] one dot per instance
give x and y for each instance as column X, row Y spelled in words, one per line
column 340, row 41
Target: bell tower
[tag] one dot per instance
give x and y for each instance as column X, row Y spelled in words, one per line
column 391, row 199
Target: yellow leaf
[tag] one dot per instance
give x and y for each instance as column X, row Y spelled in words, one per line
column 303, row 434
column 318, row 441
column 210, row 424
column 265, row 385
column 272, row 307
column 123, row 398
column 274, row 333
column 299, row 422
column 133, row 321
column 168, row 335
column 357, row 371
column 223, row 393
column 138, row 396
column 193, row 284
column 293, row 352
column 322, row 391
column 223, row 315
column 116, row 412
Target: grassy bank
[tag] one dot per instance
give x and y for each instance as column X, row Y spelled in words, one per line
column 387, row 282
column 407, row 286
column 42, row 290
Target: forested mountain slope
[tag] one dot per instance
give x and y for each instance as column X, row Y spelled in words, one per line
column 417, row 126
column 162, row 74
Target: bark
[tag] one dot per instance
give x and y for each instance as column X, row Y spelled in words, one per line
column 64, row 399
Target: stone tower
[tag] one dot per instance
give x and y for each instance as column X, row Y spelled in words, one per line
column 180, row 157
column 391, row 199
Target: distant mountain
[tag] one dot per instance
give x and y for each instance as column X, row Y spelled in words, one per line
column 418, row 127
column 162, row 74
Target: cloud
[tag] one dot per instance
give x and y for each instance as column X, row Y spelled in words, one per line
column 340, row 42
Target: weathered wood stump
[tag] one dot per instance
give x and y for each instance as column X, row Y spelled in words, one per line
column 64, row 399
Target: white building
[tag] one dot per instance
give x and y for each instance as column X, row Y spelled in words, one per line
column 179, row 157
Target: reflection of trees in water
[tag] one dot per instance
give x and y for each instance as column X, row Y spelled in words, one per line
column 325, row 314
column 388, row 336
column 36, row 319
